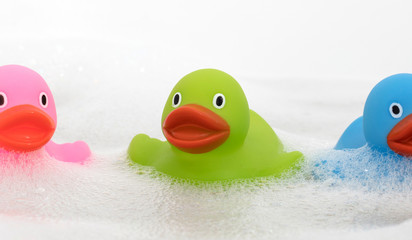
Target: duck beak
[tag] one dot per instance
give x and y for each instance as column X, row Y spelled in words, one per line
column 25, row 128
column 399, row 138
column 195, row 129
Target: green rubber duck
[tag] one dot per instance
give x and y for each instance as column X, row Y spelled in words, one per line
column 212, row 135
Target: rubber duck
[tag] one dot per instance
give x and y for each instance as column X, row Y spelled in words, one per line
column 212, row 134
column 28, row 116
column 386, row 124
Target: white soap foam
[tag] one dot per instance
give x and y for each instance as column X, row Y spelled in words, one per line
column 108, row 198
column 365, row 168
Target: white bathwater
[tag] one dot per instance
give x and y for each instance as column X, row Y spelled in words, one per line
column 305, row 66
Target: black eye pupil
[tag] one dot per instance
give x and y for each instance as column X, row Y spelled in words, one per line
column 219, row 101
column 396, row 110
column 176, row 99
column 1, row 100
column 44, row 99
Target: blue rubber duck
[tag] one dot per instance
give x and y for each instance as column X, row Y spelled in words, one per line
column 386, row 124
column 377, row 143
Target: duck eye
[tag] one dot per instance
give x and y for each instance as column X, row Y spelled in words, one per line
column 396, row 110
column 3, row 100
column 43, row 100
column 219, row 101
column 177, row 99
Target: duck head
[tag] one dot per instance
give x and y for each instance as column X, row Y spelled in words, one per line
column 27, row 109
column 206, row 110
column 388, row 115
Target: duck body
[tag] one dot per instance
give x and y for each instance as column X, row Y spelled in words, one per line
column 255, row 152
column 262, row 154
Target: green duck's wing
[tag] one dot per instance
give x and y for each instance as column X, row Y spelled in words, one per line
column 262, row 133
column 143, row 149
column 287, row 161
column 268, row 152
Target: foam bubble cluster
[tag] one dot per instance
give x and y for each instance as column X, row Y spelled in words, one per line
column 365, row 168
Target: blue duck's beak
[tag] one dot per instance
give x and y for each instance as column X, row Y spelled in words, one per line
column 399, row 138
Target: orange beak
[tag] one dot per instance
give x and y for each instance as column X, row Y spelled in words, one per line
column 195, row 129
column 399, row 138
column 25, row 128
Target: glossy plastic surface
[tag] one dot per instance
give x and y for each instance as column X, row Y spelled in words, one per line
column 212, row 114
column 195, row 129
column 25, row 128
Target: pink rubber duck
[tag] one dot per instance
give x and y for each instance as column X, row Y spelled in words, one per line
column 28, row 116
